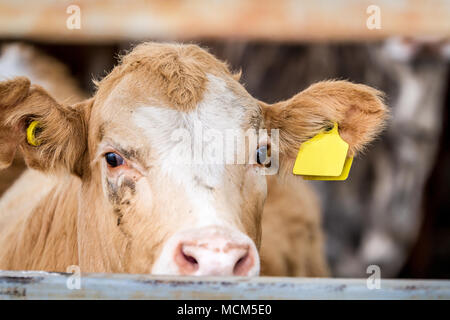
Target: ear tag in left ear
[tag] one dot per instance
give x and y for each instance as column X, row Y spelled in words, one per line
column 32, row 129
column 323, row 157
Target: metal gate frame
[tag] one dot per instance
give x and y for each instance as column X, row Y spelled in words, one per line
column 45, row 285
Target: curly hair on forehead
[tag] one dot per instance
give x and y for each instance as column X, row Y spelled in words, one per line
column 178, row 70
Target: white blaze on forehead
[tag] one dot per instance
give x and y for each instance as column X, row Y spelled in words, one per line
column 219, row 110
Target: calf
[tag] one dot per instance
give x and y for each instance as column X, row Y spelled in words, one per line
column 113, row 189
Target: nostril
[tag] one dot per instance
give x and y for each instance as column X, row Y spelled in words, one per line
column 243, row 265
column 189, row 258
column 186, row 262
column 239, row 263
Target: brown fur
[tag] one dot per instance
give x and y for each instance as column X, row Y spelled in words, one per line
column 44, row 238
column 56, row 79
column 111, row 233
column 359, row 111
column 293, row 241
column 178, row 71
column 12, row 92
column 64, row 129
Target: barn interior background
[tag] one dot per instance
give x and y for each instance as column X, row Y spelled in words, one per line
column 393, row 210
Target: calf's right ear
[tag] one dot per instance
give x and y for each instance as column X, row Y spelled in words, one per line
column 61, row 132
column 358, row 110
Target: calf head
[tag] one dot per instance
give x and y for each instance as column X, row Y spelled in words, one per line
column 155, row 197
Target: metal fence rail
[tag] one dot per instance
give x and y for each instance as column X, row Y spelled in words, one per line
column 43, row 285
column 284, row 20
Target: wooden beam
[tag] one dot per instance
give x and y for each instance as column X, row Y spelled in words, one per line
column 280, row 20
column 43, row 285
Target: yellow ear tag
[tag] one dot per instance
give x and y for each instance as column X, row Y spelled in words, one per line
column 343, row 176
column 323, row 157
column 31, row 133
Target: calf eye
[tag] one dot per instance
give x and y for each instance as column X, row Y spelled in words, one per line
column 113, row 159
column 263, row 156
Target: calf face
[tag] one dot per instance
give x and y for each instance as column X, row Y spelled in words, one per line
column 162, row 190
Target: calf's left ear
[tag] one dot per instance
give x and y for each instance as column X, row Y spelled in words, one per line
column 61, row 132
column 358, row 110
